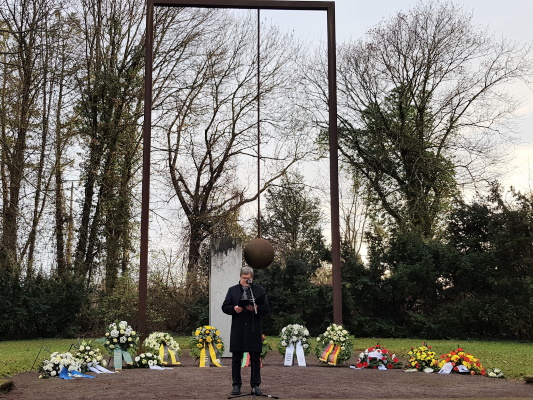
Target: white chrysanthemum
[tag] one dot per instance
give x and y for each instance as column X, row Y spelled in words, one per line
column 114, row 333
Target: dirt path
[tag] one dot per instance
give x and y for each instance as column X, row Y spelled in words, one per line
column 312, row 382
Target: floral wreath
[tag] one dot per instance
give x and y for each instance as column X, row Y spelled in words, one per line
column 154, row 341
column 334, row 345
column 265, row 346
column 56, row 362
column 292, row 334
column 146, row 360
column 121, row 335
column 495, row 373
column 459, row 358
column 375, row 356
column 89, row 355
column 422, row 358
column 203, row 336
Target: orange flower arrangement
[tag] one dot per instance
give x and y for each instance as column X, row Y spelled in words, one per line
column 460, row 358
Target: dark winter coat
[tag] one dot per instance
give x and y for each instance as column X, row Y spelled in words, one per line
column 245, row 326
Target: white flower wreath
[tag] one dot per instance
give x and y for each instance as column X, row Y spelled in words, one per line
column 154, row 341
column 56, row 362
column 292, row 334
column 146, row 360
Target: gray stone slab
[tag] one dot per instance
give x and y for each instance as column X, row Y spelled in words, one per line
column 226, row 262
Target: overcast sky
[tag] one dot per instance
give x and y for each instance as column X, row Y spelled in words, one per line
column 510, row 18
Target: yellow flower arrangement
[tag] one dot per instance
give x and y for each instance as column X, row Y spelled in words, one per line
column 422, row 358
column 204, row 336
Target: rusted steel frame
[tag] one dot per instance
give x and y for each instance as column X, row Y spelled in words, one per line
column 258, row 122
column 328, row 6
column 249, row 4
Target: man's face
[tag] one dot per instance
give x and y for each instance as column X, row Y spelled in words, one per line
column 244, row 278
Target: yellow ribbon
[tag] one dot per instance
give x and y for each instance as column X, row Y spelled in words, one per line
column 212, row 355
column 202, row 357
column 170, row 352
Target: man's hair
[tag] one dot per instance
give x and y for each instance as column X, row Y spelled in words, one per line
column 247, row 270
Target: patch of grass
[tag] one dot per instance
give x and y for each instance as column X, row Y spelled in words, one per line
column 515, row 359
column 19, row 356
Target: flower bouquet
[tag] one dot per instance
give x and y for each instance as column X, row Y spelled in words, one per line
column 164, row 344
column 57, row 361
column 292, row 335
column 377, row 357
column 207, row 340
column 121, row 341
column 334, row 345
column 422, row 358
column 90, row 356
column 265, row 346
column 462, row 362
column 495, row 373
column 146, row 360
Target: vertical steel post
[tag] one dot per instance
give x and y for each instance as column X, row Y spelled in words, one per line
column 258, row 122
column 147, row 144
column 334, row 169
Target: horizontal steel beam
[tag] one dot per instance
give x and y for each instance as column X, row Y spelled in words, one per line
column 248, row 4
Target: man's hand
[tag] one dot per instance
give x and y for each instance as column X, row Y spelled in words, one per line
column 251, row 308
column 238, row 309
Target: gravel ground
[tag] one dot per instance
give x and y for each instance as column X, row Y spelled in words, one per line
column 311, row 382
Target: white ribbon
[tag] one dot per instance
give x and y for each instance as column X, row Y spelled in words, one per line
column 288, row 355
column 159, row 367
column 300, row 355
column 95, row 367
column 446, row 368
column 462, row 368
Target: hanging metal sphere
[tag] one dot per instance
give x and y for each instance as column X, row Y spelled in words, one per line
column 259, row 253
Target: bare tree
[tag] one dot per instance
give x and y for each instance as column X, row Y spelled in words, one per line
column 210, row 124
column 422, row 100
column 23, row 42
column 110, row 111
column 354, row 209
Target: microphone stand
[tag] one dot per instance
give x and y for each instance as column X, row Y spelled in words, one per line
column 252, row 296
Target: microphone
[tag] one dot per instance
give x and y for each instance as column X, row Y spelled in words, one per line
column 249, row 281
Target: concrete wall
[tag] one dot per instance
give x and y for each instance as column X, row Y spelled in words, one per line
column 226, row 262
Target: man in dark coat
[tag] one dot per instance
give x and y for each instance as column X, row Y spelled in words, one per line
column 246, row 302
